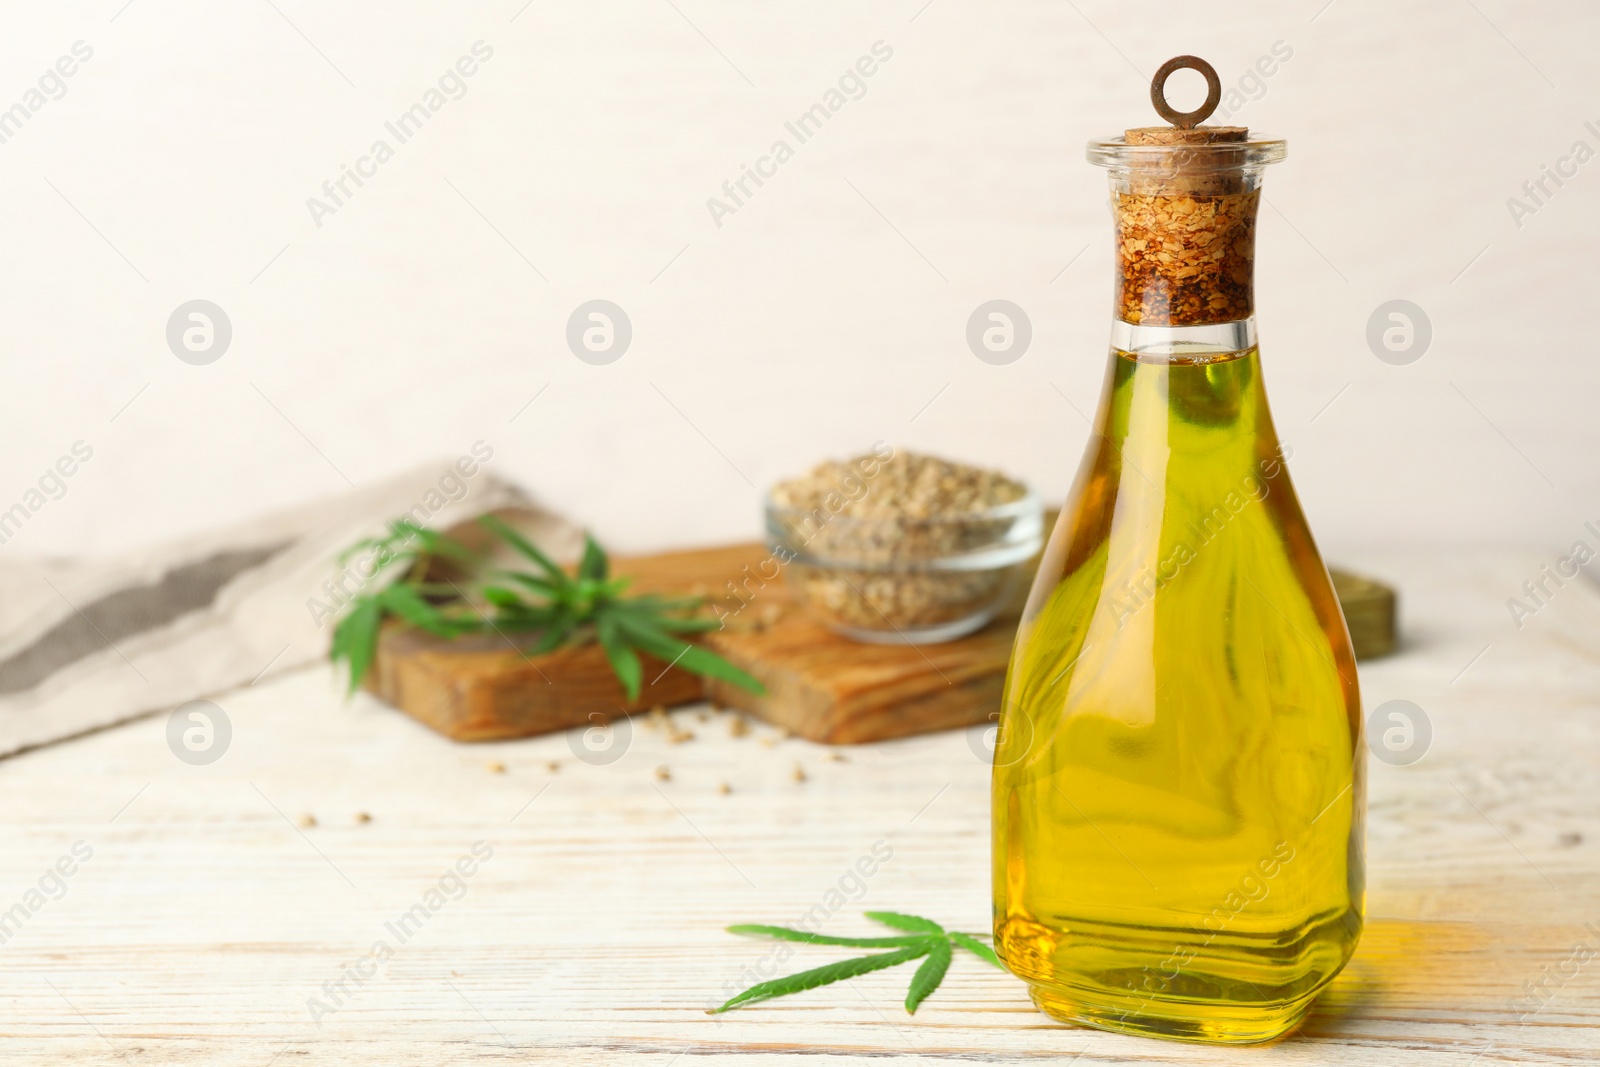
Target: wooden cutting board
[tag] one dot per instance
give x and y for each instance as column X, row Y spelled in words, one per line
column 820, row 686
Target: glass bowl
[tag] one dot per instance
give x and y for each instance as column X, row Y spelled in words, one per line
column 906, row 580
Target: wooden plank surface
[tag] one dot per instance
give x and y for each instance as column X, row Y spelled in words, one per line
column 206, row 917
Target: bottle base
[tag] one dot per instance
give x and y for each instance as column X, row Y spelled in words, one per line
column 1210, row 1024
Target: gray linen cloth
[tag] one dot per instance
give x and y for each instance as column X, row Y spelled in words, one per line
column 85, row 644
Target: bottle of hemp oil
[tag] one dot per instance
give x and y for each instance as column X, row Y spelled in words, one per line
column 1178, row 774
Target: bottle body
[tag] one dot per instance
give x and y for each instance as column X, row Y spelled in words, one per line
column 1178, row 790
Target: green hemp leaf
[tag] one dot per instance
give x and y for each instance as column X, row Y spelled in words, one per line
column 924, row 939
column 549, row 607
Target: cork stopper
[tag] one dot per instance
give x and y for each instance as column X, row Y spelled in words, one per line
column 1185, row 198
column 1177, row 135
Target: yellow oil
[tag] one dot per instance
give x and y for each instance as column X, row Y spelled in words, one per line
column 1178, row 781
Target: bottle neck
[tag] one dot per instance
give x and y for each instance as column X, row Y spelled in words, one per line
column 1183, row 344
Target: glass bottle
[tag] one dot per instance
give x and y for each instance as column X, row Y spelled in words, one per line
column 1178, row 792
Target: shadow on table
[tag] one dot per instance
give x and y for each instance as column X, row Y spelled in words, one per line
column 1408, row 971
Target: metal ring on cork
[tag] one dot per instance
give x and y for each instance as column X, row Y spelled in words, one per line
column 1185, row 120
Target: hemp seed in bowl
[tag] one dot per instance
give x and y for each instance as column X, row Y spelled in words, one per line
column 901, row 548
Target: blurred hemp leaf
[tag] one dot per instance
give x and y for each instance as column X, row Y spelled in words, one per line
column 552, row 608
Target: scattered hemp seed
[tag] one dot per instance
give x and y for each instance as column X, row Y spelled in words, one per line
column 1571, row 839
column 658, row 718
column 678, row 736
column 363, row 817
column 836, row 757
column 799, row 773
column 308, row 821
column 662, row 774
column 724, row 788
column 738, row 726
column 553, row 766
column 742, row 624
column 702, row 715
column 495, row 767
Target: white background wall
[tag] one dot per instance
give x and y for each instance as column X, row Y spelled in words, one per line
column 179, row 162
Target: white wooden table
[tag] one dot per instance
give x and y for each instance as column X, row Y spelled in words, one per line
column 206, row 917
